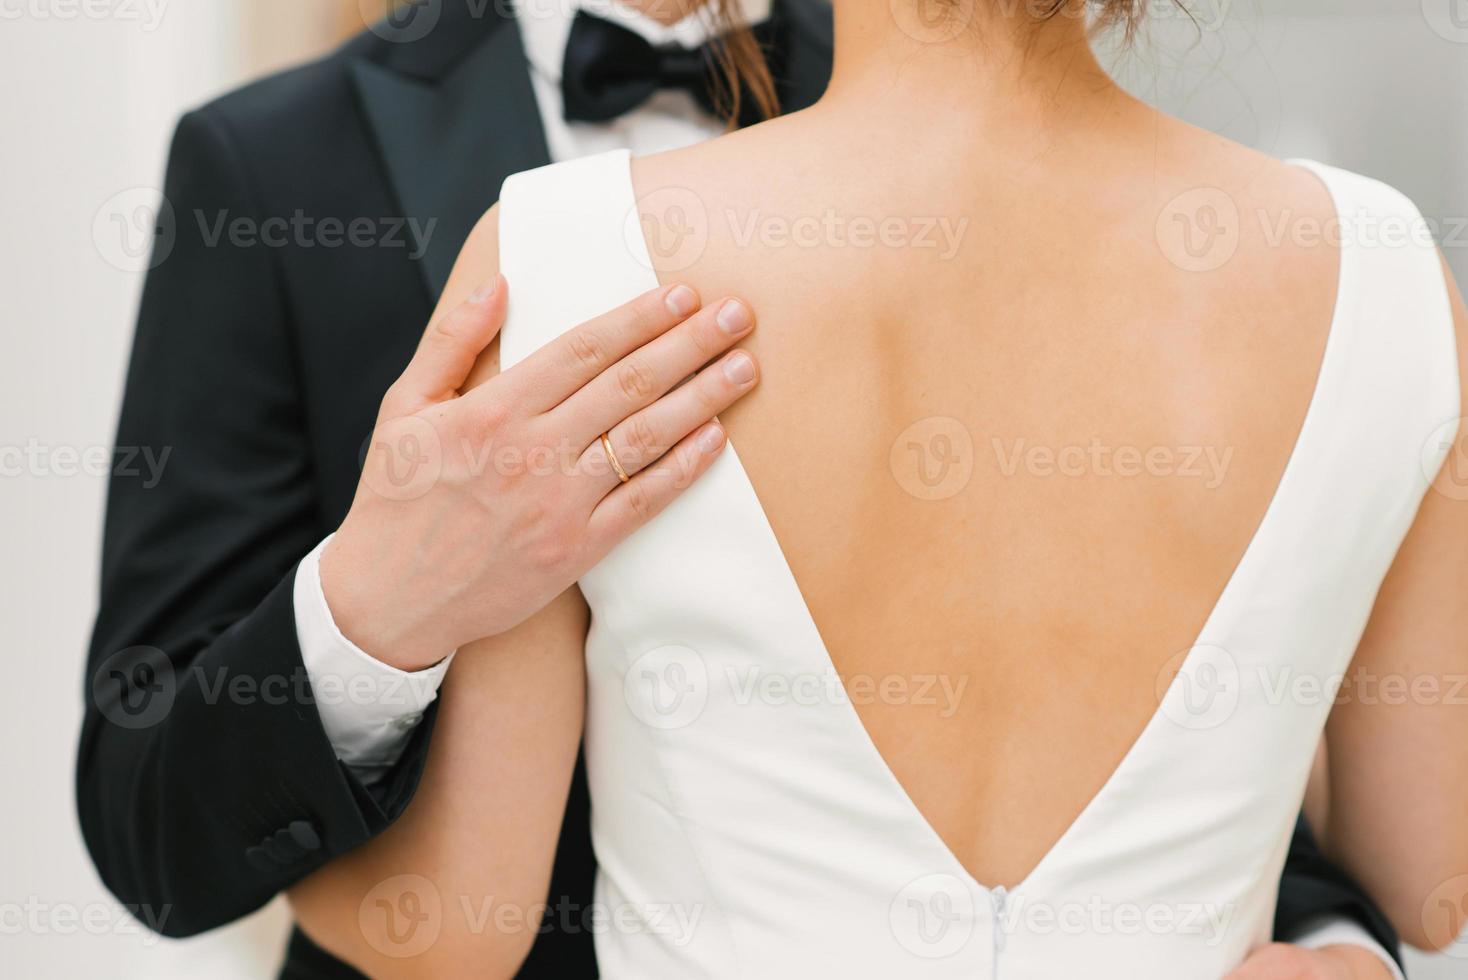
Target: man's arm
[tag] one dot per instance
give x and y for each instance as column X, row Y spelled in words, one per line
column 205, row 782
column 213, row 772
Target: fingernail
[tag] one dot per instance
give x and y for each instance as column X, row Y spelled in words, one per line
column 739, row 368
column 711, row 440
column 733, row 317
column 681, row 301
column 485, row 291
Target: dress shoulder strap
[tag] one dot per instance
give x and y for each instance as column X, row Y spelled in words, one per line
column 1398, row 400
column 571, row 248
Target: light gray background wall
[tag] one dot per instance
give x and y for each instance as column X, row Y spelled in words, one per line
column 1379, row 86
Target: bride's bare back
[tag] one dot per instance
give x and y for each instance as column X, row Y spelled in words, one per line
column 1011, row 443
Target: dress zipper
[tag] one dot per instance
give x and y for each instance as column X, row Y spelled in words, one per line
column 1000, row 896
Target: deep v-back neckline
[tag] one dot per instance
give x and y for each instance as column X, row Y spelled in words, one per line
column 1198, row 659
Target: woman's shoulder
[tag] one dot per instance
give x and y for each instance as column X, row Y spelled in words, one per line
column 744, row 159
column 1291, row 227
column 1292, row 200
column 1316, row 228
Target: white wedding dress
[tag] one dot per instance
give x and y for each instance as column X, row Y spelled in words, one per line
column 741, row 837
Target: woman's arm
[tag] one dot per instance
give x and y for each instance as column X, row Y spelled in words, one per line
column 1398, row 740
column 457, row 886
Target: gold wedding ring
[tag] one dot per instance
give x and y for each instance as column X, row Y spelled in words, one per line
column 606, row 443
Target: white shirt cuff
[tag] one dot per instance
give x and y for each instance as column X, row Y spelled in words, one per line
column 368, row 708
column 1332, row 931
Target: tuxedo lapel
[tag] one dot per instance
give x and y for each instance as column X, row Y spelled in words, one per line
column 454, row 114
column 450, row 135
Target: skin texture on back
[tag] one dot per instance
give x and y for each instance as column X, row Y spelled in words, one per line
column 1112, row 427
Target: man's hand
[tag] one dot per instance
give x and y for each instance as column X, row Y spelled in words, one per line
column 1280, row 961
column 474, row 510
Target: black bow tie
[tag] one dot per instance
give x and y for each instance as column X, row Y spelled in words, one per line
column 609, row 70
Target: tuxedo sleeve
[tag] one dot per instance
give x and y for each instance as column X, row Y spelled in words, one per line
column 206, row 782
column 1313, row 890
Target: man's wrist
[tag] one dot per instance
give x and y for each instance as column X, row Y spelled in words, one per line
column 1349, row 947
column 1356, row 963
column 368, row 708
column 381, row 626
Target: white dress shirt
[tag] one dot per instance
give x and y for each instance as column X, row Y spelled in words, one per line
column 369, row 709
column 1339, row 931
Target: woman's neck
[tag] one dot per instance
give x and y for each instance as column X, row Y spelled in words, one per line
column 990, row 68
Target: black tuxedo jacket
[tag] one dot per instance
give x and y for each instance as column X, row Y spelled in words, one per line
column 265, row 341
